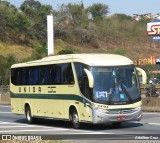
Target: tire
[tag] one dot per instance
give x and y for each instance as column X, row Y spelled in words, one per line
column 28, row 114
column 75, row 119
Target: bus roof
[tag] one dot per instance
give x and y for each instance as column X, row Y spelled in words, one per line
column 89, row 59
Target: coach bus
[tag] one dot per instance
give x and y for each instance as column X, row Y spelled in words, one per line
column 81, row 88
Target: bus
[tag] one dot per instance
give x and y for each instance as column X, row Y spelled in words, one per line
column 80, row 88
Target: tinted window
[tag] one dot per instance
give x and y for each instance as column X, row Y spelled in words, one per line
column 83, row 79
column 43, row 75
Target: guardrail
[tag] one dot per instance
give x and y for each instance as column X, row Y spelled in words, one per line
column 4, row 88
column 4, row 94
column 145, row 86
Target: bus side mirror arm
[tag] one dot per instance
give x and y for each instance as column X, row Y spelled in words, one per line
column 144, row 75
column 90, row 78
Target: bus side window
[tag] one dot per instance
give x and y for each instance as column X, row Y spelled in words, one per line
column 24, row 80
column 31, row 76
column 19, row 77
column 85, row 86
column 83, row 79
column 44, row 75
column 56, row 74
column 68, row 74
column 36, row 75
column 13, row 76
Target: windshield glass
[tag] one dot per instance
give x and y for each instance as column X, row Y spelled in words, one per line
column 115, row 85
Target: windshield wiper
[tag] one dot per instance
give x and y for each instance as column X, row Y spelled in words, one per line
column 128, row 96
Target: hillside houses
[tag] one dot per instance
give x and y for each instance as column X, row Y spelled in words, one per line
column 138, row 17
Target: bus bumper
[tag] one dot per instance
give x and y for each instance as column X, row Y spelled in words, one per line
column 101, row 116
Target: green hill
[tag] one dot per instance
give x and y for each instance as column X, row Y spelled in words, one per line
column 23, row 34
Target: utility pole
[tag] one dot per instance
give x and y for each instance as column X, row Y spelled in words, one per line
column 50, row 35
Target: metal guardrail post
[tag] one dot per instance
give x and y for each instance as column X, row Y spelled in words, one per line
column 0, row 97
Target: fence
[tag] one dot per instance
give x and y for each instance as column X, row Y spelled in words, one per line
column 4, row 88
column 145, row 86
column 4, row 81
column 4, row 94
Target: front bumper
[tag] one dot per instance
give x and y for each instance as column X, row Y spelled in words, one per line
column 118, row 115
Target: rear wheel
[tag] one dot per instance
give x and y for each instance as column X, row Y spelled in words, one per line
column 28, row 114
column 75, row 119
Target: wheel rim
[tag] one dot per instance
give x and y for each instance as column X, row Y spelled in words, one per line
column 28, row 116
column 75, row 119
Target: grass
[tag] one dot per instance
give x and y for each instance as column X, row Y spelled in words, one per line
column 18, row 51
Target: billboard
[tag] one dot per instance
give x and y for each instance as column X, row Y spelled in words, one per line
column 153, row 29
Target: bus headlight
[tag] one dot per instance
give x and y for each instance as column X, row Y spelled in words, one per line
column 138, row 109
column 101, row 110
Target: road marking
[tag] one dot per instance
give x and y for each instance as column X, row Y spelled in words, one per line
column 6, row 112
column 154, row 124
column 151, row 113
column 9, row 126
column 5, row 106
column 37, row 130
column 14, row 126
column 44, row 128
column 26, row 125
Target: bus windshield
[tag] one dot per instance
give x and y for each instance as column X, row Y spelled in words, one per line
column 115, row 85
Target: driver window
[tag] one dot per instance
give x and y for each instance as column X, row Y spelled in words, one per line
column 82, row 79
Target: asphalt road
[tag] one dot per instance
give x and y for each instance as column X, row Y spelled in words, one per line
column 147, row 129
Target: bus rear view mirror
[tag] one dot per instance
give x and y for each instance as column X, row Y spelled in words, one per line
column 90, row 78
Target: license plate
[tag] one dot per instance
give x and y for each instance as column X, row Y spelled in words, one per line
column 121, row 118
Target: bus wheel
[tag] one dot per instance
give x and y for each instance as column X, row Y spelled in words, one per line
column 28, row 114
column 75, row 119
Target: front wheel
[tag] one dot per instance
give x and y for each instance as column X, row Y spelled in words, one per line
column 28, row 114
column 75, row 119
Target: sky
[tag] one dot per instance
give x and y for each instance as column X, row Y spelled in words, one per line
column 128, row 7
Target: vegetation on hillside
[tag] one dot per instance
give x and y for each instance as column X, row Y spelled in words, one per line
column 77, row 29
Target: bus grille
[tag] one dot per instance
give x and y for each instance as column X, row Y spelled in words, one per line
column 122, row 111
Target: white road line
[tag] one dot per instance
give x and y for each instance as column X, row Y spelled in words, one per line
column 37, row 130
column 6, row 112
column 44, row 128
column 3, row 122
column 5, row 106
column 151, row 113
column 19, row 126
column 15, row 126
column 79, row 132
column 154, row 124
column 25, row 125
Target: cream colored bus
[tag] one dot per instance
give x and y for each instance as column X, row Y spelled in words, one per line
column 89, row 88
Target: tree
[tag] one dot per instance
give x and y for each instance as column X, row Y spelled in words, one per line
column 37, row 15
column 98, row 10
column 7, row 13
column 78, row 14
column 30, row 7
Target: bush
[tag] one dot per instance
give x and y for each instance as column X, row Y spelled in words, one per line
column 65, row 51
column 120, row 52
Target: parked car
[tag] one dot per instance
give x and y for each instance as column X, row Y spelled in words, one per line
column 154, row 80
